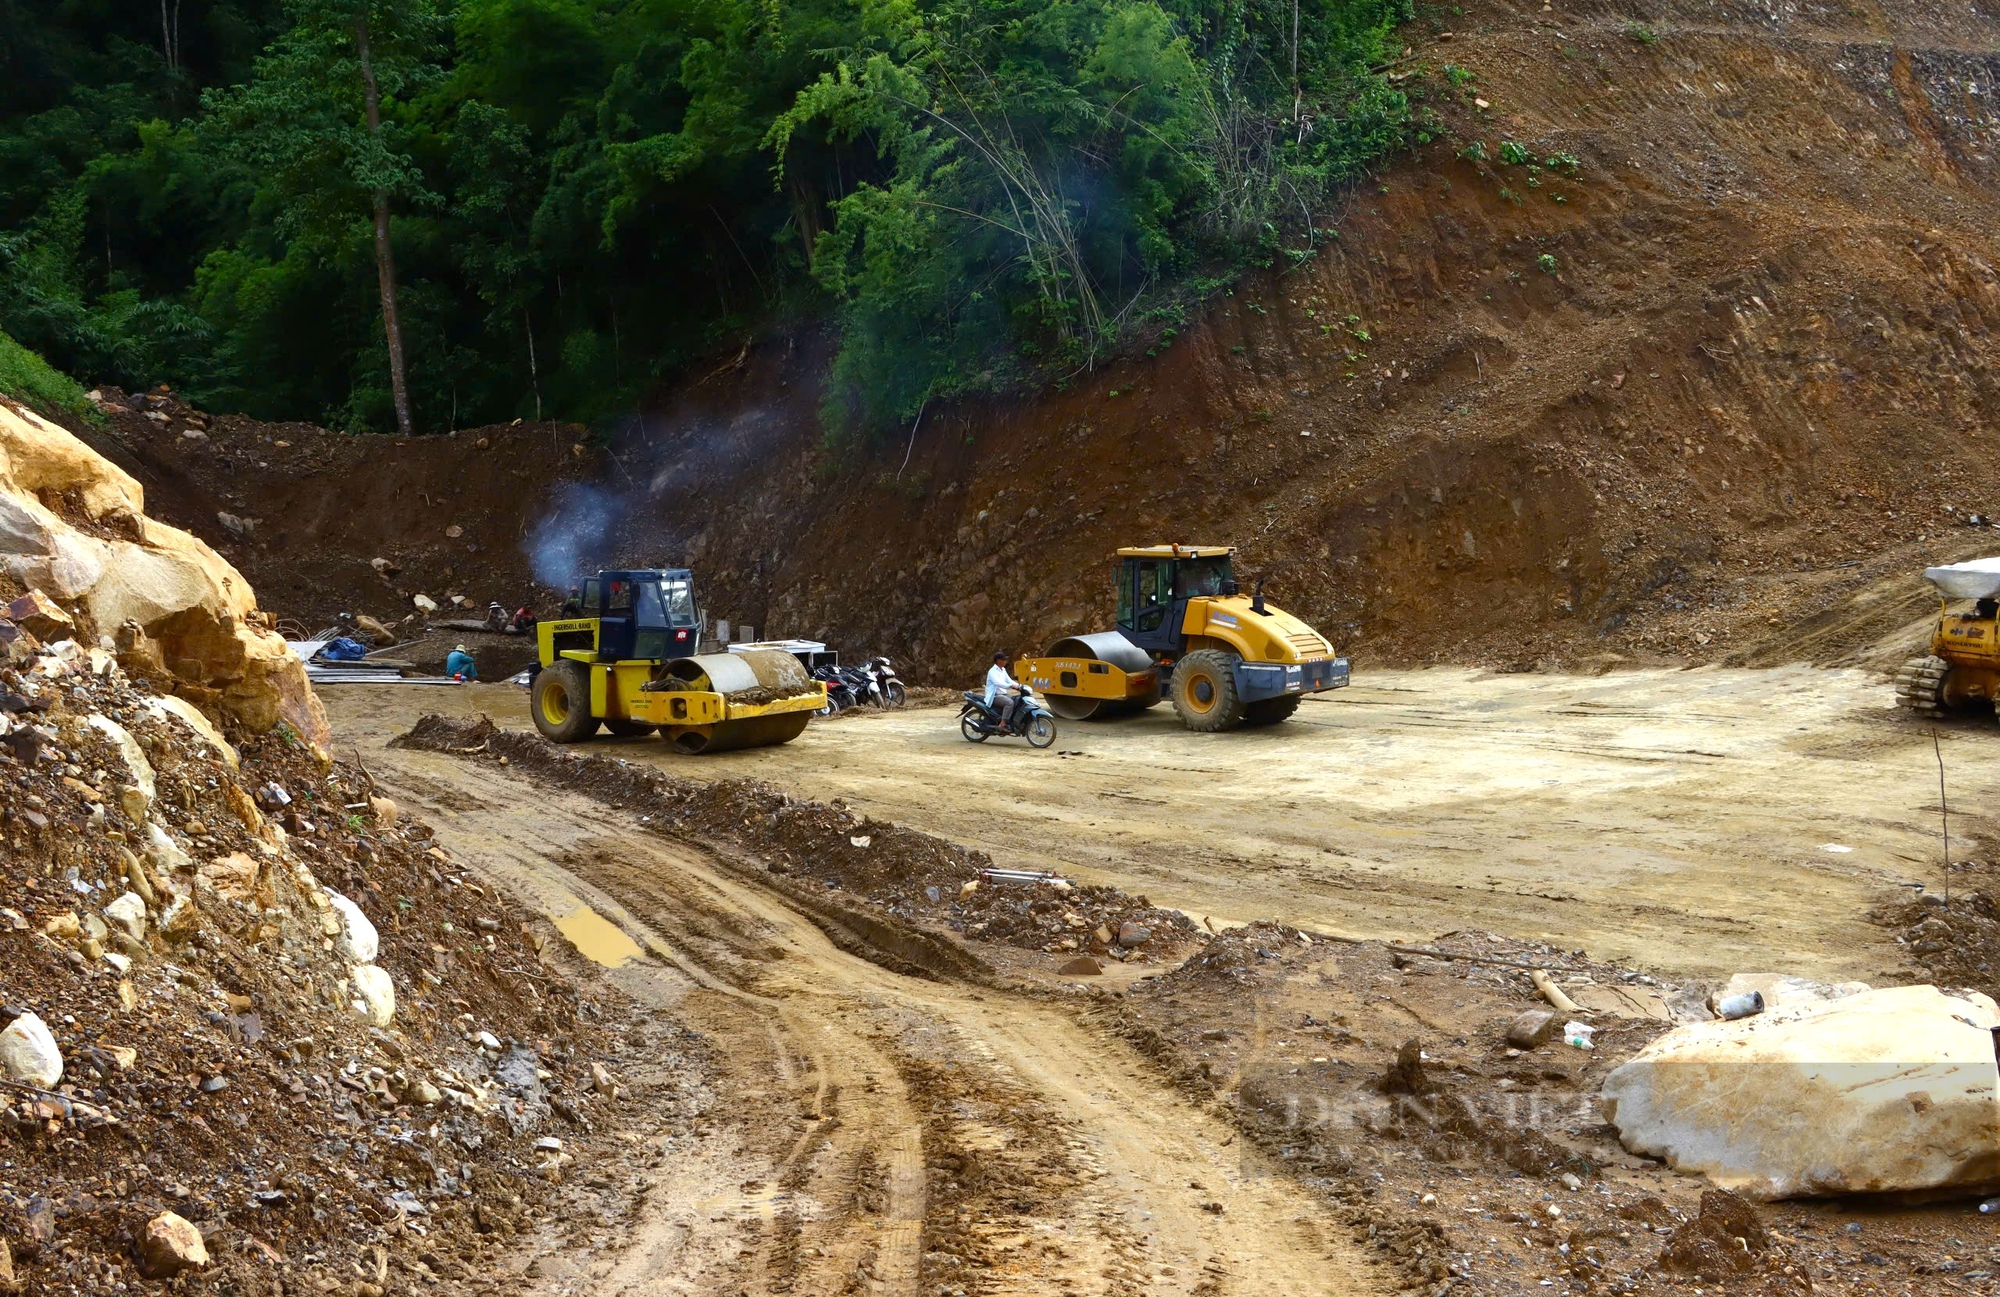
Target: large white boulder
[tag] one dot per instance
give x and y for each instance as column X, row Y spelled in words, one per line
column 102, row 555
column 29, row 1053
column 1881, row 1092
column 359, row 941
column 374, row 994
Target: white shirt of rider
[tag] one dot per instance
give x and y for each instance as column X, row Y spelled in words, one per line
column 998, row 682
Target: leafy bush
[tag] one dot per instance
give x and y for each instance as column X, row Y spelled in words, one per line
column 1513, row 154
column 29, row 379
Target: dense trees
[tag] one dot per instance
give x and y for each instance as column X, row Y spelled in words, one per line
column 419, row 212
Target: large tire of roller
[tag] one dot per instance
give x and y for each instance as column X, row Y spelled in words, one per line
column 1204, row 691
column 1105, row 646
column 559, row 700
column 1920, row 686
column 1271, row 711
column 619, row 727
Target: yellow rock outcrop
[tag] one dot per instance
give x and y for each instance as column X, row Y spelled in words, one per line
column 73, row 525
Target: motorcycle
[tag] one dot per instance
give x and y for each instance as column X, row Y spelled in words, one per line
column 889, row 691
column 862, row 685
column 839, row 693
column 978, row 722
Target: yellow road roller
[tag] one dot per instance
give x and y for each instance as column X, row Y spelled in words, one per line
column 623, row 657
column 1187, row 633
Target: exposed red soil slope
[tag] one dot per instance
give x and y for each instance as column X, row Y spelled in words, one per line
column 1749, row 390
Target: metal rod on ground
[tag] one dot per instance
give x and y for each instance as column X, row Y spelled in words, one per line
column 1944, row 815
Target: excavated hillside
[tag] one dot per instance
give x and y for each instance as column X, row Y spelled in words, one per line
column 1717, row 395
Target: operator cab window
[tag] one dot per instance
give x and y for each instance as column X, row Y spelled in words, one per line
column 593, row 598
column 1154, row 578
column 1203, row 577
column 677, row 602
column 619, row 602
column 651, row 610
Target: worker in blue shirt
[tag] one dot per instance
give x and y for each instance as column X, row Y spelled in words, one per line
column 458, row 664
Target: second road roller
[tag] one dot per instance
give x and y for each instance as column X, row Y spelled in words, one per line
column 626, row 660
column 1187, row 633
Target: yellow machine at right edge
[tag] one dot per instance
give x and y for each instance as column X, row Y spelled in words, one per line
column 1962, row 670
column 1186, row 632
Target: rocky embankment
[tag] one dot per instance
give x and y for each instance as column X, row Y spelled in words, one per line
column 254, row 1024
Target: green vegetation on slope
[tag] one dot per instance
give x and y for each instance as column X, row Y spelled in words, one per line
column 27, row 378
column 566, row 200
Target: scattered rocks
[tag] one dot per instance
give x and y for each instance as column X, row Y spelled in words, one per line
column 29, row 1054
column 171, row 1245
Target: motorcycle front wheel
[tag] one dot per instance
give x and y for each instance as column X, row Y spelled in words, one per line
column 894, row 695
column 1041, row 730
column 970, row 728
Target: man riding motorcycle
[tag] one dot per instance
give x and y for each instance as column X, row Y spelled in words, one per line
column 1003, row 691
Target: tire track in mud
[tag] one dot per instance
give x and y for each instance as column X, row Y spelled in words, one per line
column 895, row 1135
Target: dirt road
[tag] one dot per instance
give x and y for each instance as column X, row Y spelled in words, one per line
column 877, row 1128
column 1700, row 822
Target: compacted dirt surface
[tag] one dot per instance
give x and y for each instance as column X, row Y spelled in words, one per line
column 887, row 1124
column 910, row 1097
column 1704, row 822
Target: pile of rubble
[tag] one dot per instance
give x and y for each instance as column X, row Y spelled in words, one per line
column 253, row 1018
column 254, row 1023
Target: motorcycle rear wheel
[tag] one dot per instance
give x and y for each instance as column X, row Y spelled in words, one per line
column 970, row 728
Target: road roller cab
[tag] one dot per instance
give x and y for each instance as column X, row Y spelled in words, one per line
column 628, row 663
column 1187, row 632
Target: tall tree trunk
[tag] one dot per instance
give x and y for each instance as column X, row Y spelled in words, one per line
column 385, row 257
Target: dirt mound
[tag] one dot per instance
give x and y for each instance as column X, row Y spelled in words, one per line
column 910, row 876
column 283, row 1014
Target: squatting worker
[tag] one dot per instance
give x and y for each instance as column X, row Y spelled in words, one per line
column 458, row 664
column 1003, row 691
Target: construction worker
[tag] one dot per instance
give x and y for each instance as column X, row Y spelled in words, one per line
column 458, row 664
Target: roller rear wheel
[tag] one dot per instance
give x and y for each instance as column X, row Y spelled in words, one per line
column 559, row 701
column 1270, row 711
column 625, row 729
column 1204, row 691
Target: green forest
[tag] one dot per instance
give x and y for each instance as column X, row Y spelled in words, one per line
column 440, row 213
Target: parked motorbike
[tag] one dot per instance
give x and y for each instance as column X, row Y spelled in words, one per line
column 862, row 684
column 978, row 722
column 839, row 692
column 889, row 691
